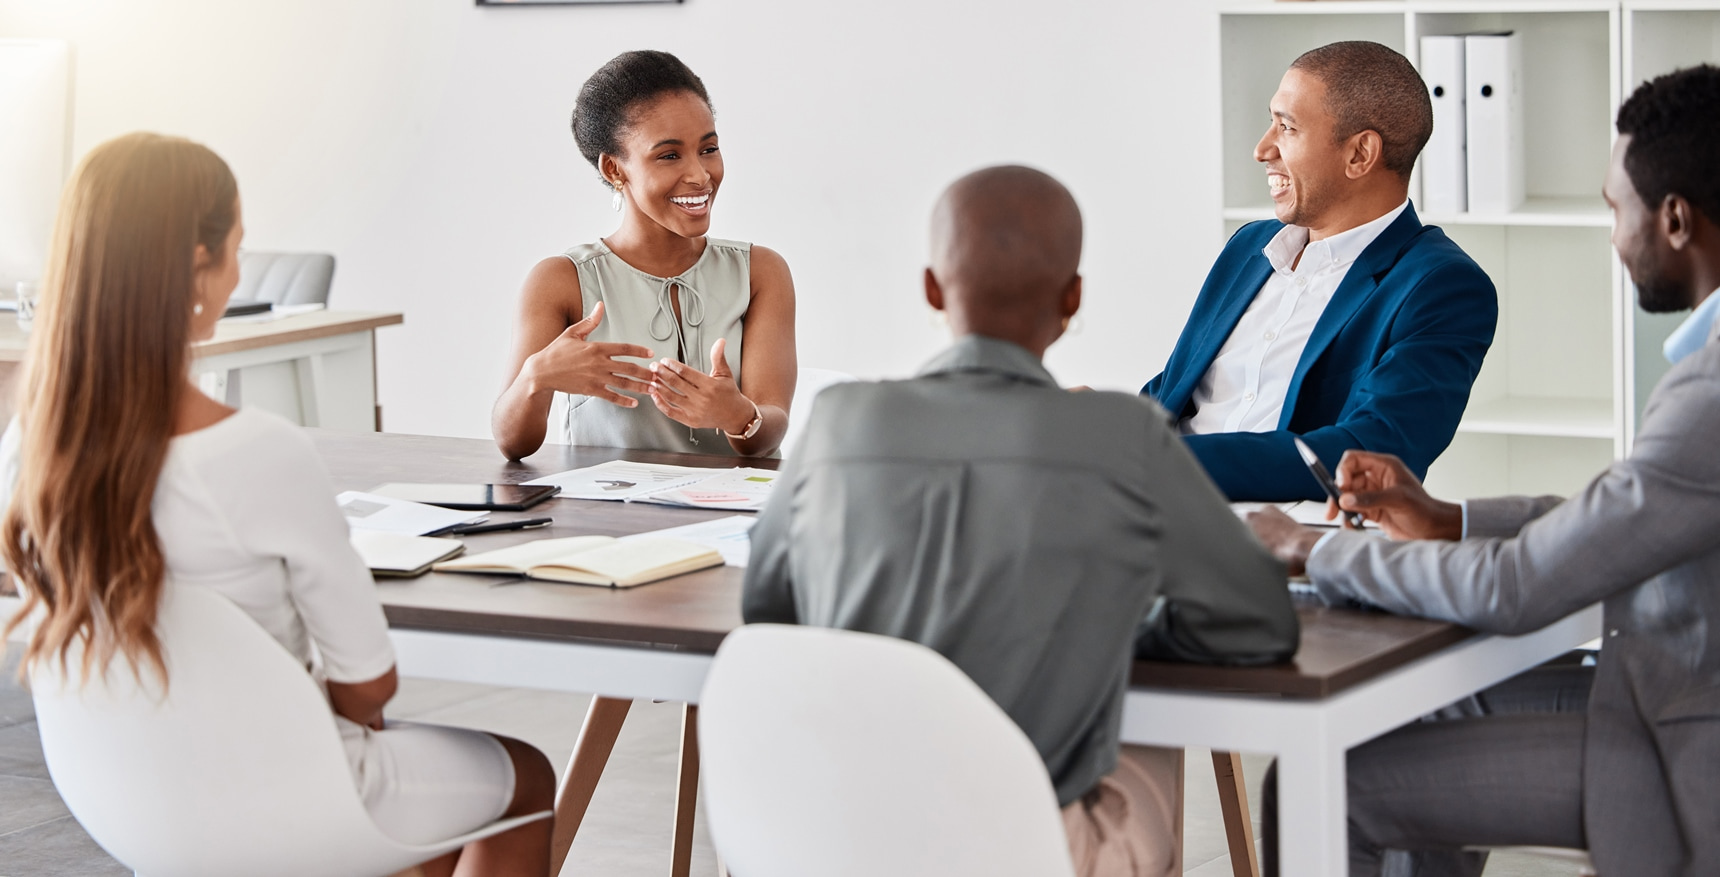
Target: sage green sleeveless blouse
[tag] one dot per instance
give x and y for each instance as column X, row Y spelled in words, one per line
column 714, row 295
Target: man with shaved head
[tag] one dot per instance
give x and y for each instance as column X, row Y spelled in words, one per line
column 1037, row 538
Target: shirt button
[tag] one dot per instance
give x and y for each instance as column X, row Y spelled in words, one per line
column 1248, row 397
column 1613, row 632
column 1270, row 335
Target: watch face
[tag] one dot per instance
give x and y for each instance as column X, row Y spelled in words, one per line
column 752, row 428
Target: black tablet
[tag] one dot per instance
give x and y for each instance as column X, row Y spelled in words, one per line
column 474, row 497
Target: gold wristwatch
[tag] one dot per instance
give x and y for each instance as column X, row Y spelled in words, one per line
column 752, row 427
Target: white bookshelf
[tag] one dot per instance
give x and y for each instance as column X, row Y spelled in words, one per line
column 1573, row 358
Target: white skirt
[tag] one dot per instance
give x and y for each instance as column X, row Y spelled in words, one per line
column 427, row 783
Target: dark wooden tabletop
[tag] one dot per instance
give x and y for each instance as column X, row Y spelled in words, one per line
column 693, row 611
column 1340, row 647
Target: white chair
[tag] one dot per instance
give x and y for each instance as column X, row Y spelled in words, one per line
column 236, row 769
column 279, row 279
column 285, row 278
column 845, row 754
column 808, row 384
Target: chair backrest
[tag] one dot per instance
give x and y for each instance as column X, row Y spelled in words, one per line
column 808, row 384
column 285, row 278
column 838, row 753
column 237, row 768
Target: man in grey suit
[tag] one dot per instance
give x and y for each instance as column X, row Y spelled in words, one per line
column 1035, row 537
column 1629, row 769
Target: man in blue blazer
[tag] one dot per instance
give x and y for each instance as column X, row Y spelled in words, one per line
column 1344, row 321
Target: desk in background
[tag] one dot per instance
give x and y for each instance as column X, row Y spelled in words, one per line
column 315, row 369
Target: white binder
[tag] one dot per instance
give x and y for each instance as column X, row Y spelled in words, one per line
column 1444, row 170
column 1493, row 81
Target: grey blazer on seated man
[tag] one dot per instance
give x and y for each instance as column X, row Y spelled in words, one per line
column 1029, row 534
column 1644, row 537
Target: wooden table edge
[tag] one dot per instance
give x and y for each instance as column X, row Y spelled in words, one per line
column 353, row 321
column 1282, row 680
column 595, row 633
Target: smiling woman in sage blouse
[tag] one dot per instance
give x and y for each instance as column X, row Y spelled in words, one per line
column 643, row 330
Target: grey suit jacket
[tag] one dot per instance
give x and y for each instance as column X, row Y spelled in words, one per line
column 1022, row 531
column 1644, row 537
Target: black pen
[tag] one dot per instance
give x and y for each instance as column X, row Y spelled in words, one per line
column 495, row 526
column 1325, row 479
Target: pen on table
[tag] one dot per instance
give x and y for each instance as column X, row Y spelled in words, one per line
column 1325, row 479
column 496, row 526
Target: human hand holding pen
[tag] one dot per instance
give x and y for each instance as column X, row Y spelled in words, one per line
column 1382, row 489
column 1318, row 470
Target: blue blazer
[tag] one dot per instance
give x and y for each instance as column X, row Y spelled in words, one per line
column 1388, row 367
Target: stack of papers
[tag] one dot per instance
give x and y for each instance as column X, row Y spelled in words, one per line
column 741, row 490
column 368, row 511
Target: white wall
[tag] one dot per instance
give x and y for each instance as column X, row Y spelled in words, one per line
column 425, row 143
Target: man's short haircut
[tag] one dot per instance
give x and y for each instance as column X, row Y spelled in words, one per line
column 1370, row 87
column 1674, row 126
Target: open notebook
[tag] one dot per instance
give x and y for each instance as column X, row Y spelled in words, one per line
column 591, row 560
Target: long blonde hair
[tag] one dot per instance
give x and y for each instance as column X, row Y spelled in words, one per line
column 108, row 359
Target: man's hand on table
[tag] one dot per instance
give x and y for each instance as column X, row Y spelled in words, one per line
column 1288, row 540
column 1384, row 491
column 1378, row 486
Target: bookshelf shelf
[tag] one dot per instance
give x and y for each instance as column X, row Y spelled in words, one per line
column 1540, row 416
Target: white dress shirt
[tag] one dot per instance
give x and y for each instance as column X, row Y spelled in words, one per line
column 1244, row 388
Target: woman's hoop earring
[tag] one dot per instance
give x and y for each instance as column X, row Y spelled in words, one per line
column 615, row 202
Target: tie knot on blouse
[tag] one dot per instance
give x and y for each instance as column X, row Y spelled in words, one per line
column 685, row 330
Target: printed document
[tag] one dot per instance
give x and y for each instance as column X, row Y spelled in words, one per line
column 741, row 490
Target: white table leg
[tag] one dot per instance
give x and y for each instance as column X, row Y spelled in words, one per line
column 1313, row 825
column 311, row 376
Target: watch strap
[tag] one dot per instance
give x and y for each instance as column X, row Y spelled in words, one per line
column 752, row 427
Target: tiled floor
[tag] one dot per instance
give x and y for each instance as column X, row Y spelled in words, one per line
column 626, row 831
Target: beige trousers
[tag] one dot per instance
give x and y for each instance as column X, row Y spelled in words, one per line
column 1130, row 824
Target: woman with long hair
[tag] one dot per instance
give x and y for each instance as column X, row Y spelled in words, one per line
column 643, row 330
column 120, row 475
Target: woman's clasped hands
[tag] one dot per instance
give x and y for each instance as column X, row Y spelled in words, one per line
column 574, row 364
column 693, row 398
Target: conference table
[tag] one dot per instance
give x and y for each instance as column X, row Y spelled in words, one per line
column 1356, row 675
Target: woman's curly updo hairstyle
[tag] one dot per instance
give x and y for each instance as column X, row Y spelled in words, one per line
column 600, row 116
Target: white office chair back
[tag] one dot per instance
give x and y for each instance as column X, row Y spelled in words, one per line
column 236, row 769
column 808, row 384
column 285, row 278
column 837, row 753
